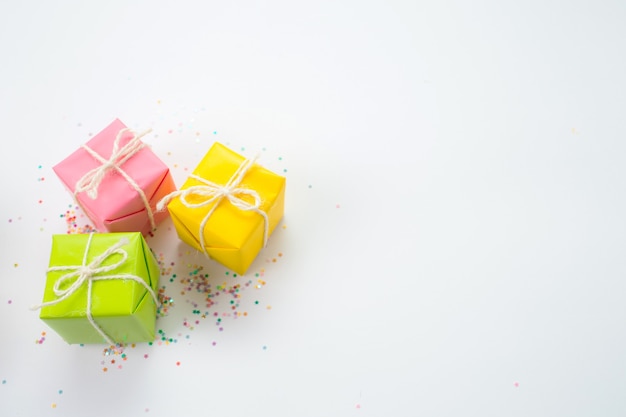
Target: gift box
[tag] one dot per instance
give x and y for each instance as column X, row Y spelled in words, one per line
column 117, row 180
column 101, row 288
column 228, row 207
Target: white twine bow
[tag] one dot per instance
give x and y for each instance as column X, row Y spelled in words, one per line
column 215, row 193
column 88, row 273
column 90, row 182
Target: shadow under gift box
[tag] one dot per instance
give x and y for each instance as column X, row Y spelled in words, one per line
column 232, row 236
column 124, row 309
column 118, row 206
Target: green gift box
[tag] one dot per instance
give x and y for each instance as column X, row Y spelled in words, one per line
column 101, row 288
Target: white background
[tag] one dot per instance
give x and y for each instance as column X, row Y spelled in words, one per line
column 454, row 235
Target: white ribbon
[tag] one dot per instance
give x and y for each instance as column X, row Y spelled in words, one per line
column 215, row 193
column 90, row 182
column 88, row 273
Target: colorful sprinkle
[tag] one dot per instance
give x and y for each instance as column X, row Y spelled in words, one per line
column 71, row 219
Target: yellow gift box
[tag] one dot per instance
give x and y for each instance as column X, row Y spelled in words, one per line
column 228, row 207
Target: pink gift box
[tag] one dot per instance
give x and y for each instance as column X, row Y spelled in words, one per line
column 118, row 206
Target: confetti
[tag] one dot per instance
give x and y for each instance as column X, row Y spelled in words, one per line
column 71, row 219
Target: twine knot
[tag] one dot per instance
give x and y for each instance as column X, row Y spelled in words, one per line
column 81, row 273
column 224, row 191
